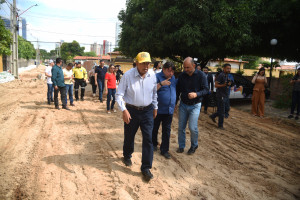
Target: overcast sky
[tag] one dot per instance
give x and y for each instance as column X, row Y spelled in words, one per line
column 86, row 21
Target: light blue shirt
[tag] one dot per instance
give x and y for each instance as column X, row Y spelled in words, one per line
column 137, row 91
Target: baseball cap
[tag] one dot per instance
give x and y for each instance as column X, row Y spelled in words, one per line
column 143, row 57
column 51, row 61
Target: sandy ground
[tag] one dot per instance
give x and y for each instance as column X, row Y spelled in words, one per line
column 58, row 154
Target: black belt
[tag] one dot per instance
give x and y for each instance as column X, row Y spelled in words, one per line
column 139, row 107
column 191, row 103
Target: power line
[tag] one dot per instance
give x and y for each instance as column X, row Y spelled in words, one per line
column 70, row 34
column 60, row 42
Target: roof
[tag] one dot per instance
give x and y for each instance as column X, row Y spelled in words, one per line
column 114, row 53
column 286, row 67
column 232, row 60
column 91, row 58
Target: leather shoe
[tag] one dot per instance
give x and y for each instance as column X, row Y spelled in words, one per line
column 72, row 104
column 57, row 107
column 65, row 107
column 101, row 101
column 166, row 155
column 192, row 150
column 180, row 150
column 147, row 175
column 127, row 161
column 213, row 119
column 221, row 128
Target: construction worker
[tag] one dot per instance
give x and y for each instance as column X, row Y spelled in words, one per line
column 80, row 76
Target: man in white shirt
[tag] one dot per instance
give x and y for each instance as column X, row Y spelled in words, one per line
column 48, row 74
column 138, row 89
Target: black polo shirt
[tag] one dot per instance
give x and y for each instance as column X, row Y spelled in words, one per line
column 101, row 71
column 222, row 91
column 195, row 83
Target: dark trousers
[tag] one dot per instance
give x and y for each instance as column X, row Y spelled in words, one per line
column 205, row 101
column 94, row 86
column 100, row 88
column 295, row 102
column 50, row 92
column 110, row 93
column 227, row 106
column 166, row 121
column 63, row 97
column 144, row 120
column 220, row 111
column 82, row 84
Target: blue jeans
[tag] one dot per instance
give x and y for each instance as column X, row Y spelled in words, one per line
column 220, row 111
column 188, row 113
column 111, row 93
column 100, row 87
column 50, row 92
column 69, row 90
column 144, row 120
column 227, row 106
column 166, row 120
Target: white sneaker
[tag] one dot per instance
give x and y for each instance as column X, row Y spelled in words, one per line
column 115, row 110
column 94, row 95
column 108, row 112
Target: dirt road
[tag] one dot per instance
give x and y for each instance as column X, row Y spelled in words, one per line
column 58, row 154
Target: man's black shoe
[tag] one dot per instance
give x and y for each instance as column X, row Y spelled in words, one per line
column 65, row 107
column 52, row 100
column 226, row 116
column 212, row 118
column 77, row 99
column 82, row 99
column 147, row 175
column 290, row 116
column 180, row 150
column 57, row 107
column 72, row 104
column 48, row 102
column 192, row 150
column 166, row 155
column 101, row 101
column 127, row 161
column 154, row 148
column 221, row 127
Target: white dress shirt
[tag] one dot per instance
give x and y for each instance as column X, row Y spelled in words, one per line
column 137, row 91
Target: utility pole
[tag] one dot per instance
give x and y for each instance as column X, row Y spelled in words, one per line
column 11, row 46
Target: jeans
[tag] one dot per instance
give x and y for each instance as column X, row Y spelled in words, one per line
column 100, row 88
column 188, row 113
column 295, row 101
column 50, row 92
column 111, row 93
column 166, row 120
column 82, row 84
column 220, row 111
column 63, row 97
column 144, row 120
column 227, row 106
column 69, row 90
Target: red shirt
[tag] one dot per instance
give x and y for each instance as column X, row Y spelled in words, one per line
column 111, row 80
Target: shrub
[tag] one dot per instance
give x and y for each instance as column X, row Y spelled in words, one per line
column 240, row 72
column 284, row 100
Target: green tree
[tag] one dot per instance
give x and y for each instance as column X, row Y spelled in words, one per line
column 5, row 39
column 91, row 54
column 71, row 50
column 207, row 29
column 44, row 54
column 25, row 49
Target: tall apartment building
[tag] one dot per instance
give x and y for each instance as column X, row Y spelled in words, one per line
column 96, row 48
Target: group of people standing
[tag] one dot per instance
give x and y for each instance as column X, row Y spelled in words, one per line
column 62, row 80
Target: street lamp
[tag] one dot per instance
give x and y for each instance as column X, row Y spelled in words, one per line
column 273, row 42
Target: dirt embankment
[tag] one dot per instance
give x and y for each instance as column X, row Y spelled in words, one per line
column 58, row 154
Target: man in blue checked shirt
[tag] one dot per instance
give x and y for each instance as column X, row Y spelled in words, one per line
column 166, row 97
column 138, row 89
